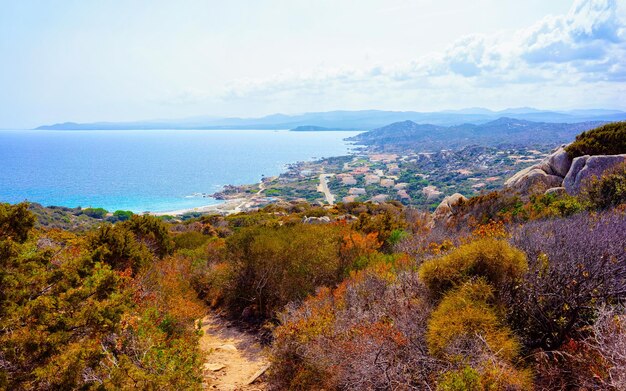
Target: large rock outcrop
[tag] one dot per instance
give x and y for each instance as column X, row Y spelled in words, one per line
column 544, row 175
column 586, row 167
column 532, row 178
column 559, row 162
column 447, row 208
column 559, row 171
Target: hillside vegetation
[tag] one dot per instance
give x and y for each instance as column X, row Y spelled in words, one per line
column 609, row 139
column 108, row 309
column 507, row 131
column 511, row 293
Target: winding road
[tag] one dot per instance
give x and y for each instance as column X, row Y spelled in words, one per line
column 323, row 188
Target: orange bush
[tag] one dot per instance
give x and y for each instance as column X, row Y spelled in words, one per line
column 492, row 229
column 336, row 338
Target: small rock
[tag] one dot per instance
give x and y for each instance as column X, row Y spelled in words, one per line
column 214, row 366
column 257, row 374
column 227, row 347
column 316, row 220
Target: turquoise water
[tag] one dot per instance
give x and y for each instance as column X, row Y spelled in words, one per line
column 147, row 170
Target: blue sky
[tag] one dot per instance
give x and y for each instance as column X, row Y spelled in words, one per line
column 129, row 60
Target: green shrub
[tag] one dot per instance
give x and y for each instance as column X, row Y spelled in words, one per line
column 466, row 379
column 16, row 221
column 494, row 259
column 466, row 329
column 241, row 220
column 122, row 215
column 609, row 139
column 273, row 266
column 386, row 221
column 272, row 192
column 117, row 247
column 190, row 240
column 553, row 205
column 467, row 314
column 152, row 232
column 73, row 318
column 608, row 191
column 96, row 213
column 190, row 216
column 396, row 236
column 489, row 377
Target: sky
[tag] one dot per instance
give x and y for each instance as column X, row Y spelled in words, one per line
column 88, row 60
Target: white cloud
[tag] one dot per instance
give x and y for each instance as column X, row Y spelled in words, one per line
column 585, row 46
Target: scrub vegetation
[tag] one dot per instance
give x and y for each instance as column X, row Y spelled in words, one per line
column 514, row 293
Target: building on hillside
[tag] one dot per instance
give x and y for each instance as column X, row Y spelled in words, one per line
column 372, row 179
column 380, row 198
column 348, row 180
column 404, row 195
column 401, row 186
column 431, row 192
column 387, row 182
column 360, row 170
column 393, row 169
column 357, row 191
column 383, row 157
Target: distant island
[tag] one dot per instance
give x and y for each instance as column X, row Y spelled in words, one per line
column 313, row 128
column 350, row 120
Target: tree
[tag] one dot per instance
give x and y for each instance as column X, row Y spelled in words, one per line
column 96, row 213
column 56, row 303
column 152, row 232
column 73, row 316
column 121, row 215
column 15, row 222
column 116, row 246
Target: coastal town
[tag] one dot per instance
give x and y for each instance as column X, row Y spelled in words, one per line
column 419, row 179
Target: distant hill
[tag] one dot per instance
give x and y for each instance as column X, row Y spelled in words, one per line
column 504, row 130
column 359, row 120
column 313, row 128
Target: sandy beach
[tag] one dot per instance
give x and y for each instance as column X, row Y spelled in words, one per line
column 235, row 205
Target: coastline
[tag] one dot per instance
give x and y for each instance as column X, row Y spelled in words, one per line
column 231, row 206
column 122, row 186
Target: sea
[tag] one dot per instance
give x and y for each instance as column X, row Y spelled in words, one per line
column 148, row 170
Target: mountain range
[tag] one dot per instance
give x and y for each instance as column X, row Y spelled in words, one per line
column 354, row 120
column 504, row 130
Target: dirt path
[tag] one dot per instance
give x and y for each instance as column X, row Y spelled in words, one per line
column 261, row 188
column 323, row 188
column 246, row 203
column 235, row 360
